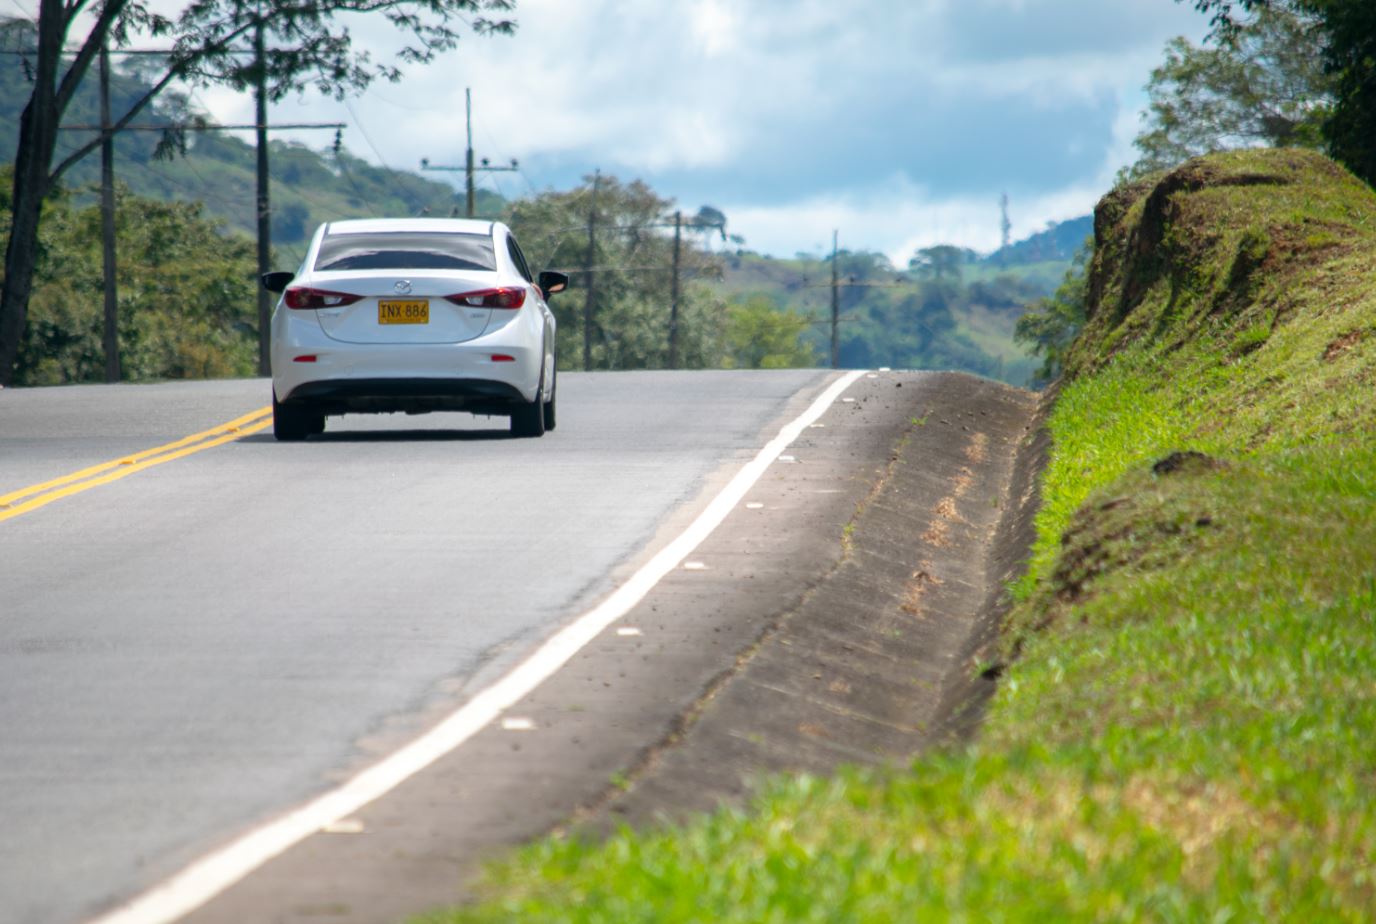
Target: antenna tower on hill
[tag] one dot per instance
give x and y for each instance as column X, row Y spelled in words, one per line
column 1005, row 225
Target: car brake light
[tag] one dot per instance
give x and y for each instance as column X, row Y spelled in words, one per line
column 304, row 297
column 505, row 297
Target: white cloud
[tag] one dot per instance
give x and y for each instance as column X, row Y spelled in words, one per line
column 900, row 122
column 715, row 27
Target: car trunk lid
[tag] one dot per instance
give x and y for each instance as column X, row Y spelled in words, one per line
column 404, row 308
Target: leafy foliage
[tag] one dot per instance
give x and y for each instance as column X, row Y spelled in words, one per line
column 186, row 296
column 1264, row 85
column 1051, row 324
column 760, row 335
column 941, row 263
column 625, row 324
column 890, row 318
column 1349, row 59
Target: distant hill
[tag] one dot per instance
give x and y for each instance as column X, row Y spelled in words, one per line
column 310, row 185
column 1060, row 241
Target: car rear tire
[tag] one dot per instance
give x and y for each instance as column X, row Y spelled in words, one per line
column 549, row 405
column 291, row 423
column 529, row 419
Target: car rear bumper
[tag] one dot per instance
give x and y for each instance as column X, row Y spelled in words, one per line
column 412, row 395
column 489, row 374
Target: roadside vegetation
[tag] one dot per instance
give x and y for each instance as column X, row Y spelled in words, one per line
column 186, row 295
column 947, row 308
column 1183, row 727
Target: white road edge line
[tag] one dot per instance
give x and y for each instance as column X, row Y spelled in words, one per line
column 212, row 874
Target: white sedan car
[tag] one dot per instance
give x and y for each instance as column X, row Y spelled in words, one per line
column 413, row 315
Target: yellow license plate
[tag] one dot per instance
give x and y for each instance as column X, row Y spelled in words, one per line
column 403, row 311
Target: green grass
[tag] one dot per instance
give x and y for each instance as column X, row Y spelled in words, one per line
column 1186, row 731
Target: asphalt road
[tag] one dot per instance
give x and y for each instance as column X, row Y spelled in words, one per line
column 194, row 648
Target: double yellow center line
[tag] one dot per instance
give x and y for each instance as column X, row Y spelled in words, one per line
column 39, row 495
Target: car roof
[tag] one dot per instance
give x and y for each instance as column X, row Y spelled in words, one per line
column 382, row 225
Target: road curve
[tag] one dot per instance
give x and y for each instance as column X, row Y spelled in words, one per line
column 189, row 650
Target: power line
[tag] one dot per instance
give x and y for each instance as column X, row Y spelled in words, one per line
column 358, row 123
column 31, row 17
column 349, row 175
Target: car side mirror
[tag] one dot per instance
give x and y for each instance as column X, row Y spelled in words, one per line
column 551, row 282
column 277, row 282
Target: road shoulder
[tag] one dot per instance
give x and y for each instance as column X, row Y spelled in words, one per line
column 820, row 624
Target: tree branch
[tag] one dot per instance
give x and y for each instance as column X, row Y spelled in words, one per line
column 89, row 49
column 173, row 73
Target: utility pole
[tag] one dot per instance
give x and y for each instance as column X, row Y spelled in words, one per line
column 673, row 298
column 468, row 155
column 835, row 305
column 588, row 273
column 260, row 76
column 469, row 168
column 110, row 340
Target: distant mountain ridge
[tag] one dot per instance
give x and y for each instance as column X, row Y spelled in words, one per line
column 1060, row 241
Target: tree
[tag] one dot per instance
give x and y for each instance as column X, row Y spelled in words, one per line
column 709, row 221
column 941, row 263
column 186, row 295
column 1349, row 59
column 627, row 318
column 761, row 335
column 1264, row 84
column 1051, row 324
column 308, row 47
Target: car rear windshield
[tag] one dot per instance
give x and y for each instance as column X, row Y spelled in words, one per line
column 405, row 250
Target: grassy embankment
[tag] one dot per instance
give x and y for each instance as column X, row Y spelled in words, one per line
column 1188, row 731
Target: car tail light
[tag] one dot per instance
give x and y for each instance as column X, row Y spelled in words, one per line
column 503, row 358
column 505, row 297
column 304, row 297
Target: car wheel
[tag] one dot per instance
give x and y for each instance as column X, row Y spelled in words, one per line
column 529, row 419
column 549, row 405
column 291, row 423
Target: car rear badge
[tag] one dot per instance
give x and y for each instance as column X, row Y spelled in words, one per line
column 403, row 286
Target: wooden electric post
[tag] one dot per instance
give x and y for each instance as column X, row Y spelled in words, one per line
column 835, row 306
column 110, row 340
column 588, row 264
column 260, row 77
column 673, row 297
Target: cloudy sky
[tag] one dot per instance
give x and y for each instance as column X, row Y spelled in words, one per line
column 898, row 122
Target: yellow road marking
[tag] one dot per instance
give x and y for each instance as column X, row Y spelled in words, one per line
column 39, row 495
